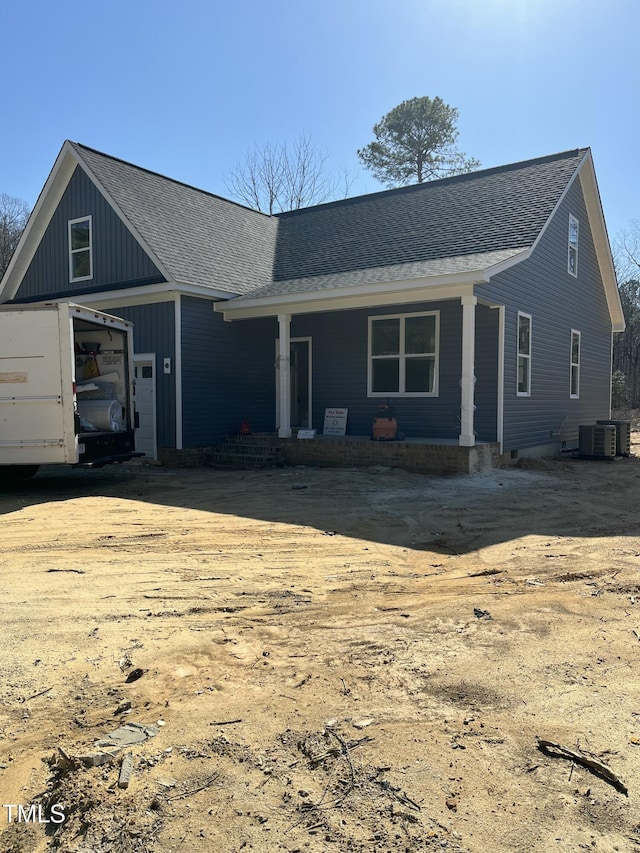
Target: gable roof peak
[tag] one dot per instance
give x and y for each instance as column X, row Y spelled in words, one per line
column 78, row 147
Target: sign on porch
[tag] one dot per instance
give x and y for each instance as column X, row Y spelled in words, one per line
column 335, row 422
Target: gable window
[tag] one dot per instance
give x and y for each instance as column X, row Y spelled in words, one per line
column 80, row 249
column 403, row 355
column 524, row 355
column 574, row 227
column 575, row 364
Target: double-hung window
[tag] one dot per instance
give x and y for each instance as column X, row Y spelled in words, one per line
column 524, row 355
column 574, row 385
column 574, row 228
column 403, row 355
column 80, row 249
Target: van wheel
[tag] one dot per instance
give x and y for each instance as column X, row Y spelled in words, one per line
column 11, row 473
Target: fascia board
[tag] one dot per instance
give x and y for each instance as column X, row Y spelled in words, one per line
column 363, row 296
column 125, row 221
column 39, row 220
column 601, row 242
column 505, row 265
column 147, row 294
column 563, row 195
column 585, row 172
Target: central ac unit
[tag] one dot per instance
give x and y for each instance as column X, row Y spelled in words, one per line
column 597, row 441
column 623, row 436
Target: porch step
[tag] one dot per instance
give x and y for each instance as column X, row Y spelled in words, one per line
column 246, row 451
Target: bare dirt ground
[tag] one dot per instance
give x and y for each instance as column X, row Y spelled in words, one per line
column 349, row 660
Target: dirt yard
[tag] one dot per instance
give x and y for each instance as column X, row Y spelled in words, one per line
column 321, row 660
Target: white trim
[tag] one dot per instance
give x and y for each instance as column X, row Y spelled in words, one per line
column 297, row 340
column 573, row 364
column 600, row 238
column 283, row 361
column 178, row 368
column 126, row 222
column 402, row 356
column 570, row 246
column 147, row 293
column 526, row 356
column 468, row 378
column 73, row 251
column 360, row 296
column 611, row 376
column 38, row 222
column 564, row 194
column 524, row 255
column 140, row 359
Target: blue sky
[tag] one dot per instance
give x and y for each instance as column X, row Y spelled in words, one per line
column 185, row 88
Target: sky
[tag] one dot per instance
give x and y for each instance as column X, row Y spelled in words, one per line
column 187, row 88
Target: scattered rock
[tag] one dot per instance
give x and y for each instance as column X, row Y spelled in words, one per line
column 98, row 757
column 126, row 769
column 481, row 614
column 135, row 674
column 362, row 724
column 127, row 735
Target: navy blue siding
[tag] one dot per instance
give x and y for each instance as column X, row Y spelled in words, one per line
column 486, row 368
column 557, row 302
column 154, row 331
column 339, row 371
column 228, row 374
column 118, row 260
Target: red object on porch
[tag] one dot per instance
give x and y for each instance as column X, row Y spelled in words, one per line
column 245, row 428
column 384, row 429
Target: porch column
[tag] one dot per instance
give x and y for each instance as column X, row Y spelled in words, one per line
column 284, row 359
column 468, row 379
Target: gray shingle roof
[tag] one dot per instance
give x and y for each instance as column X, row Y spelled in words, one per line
column 373, row 275
column 199, row 238
column 452, row 225
column 494, row 209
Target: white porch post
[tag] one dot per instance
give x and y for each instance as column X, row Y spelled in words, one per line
column 284, row 359
column 468, row 379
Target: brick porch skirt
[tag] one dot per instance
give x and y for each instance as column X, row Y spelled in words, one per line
column 419, row 455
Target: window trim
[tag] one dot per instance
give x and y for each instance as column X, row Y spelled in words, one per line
column 526, row 356
column 575, row 365
column 570, row 246
column 402, row 356
column 88, row 248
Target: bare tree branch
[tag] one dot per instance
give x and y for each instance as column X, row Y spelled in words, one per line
column 273, row 178
column 14, row 213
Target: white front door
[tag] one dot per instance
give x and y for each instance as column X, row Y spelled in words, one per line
column 145, row 400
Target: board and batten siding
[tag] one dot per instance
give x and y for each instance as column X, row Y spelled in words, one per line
column 227, row 374
column 154, row 332
column 339, row 371
column 118, row 259
column 557, row 302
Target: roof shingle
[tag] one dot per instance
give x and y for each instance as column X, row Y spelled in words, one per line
column 486, row 211
column 207, row 240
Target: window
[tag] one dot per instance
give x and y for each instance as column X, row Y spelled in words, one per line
column 403, row 355
column 80, row 255
column 575, row 364
column 573, row 245
column 524, row 355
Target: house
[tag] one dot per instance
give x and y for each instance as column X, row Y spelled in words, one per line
column 481, row 306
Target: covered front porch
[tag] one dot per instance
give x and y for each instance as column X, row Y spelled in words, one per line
column 444, row 358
